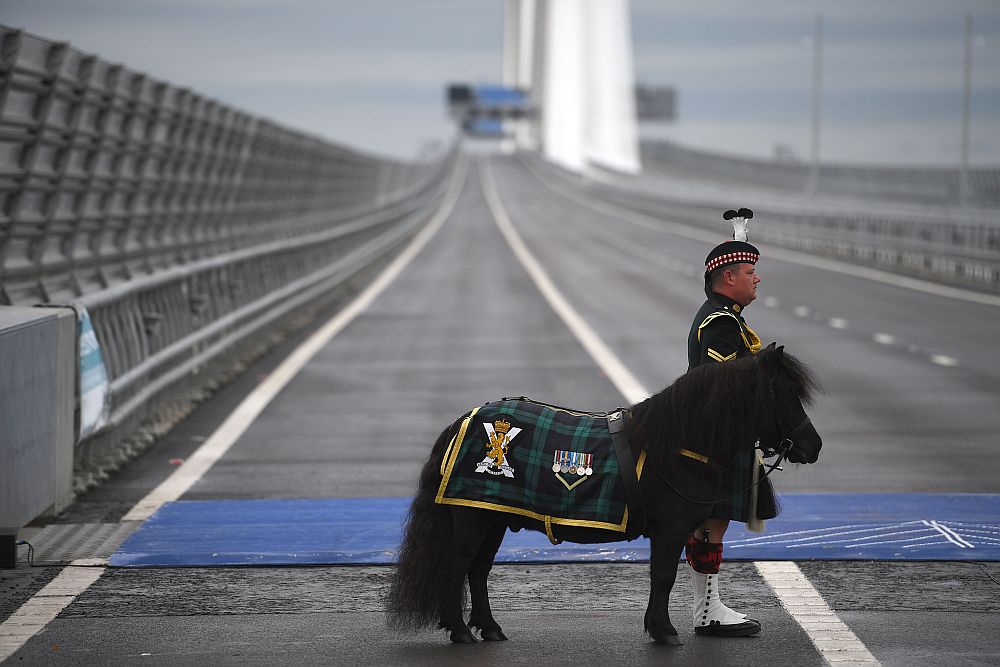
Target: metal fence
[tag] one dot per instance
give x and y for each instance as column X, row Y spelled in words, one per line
column 947, row 244
column 191, row 231
column 929, row 185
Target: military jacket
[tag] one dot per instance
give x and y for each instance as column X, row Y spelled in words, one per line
column 719, row 333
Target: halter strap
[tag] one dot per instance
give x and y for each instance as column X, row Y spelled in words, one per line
column 798, row 429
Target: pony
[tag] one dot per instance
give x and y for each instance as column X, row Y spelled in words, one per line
column 713, row 411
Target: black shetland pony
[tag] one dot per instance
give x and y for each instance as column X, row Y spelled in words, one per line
column 713, row 410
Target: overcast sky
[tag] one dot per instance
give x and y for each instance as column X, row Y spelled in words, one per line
column 371, row 74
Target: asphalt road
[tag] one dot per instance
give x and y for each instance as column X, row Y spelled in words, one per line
column 464, row 324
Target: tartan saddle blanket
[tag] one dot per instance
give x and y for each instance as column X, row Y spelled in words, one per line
column 539, row 461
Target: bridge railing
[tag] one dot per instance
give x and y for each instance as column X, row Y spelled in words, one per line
column 929, row 185
column 948, row 244
column 192, row 233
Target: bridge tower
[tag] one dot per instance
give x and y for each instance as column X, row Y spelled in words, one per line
column 575, row 57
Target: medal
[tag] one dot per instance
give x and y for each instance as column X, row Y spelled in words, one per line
column 564, row 468
column 590, row 458
column 572, row 465
column 555, row 461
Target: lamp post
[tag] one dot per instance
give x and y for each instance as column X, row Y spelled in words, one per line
column 817, row 102
column 963, row 175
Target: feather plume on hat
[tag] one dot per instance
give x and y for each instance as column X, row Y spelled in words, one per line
column 737, row 251
column 741, row 223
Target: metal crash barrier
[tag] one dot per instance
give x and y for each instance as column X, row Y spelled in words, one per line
column 949, row 244
column 187, row 235
column 927, row 185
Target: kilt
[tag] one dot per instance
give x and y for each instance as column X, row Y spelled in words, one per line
column 735, row 482
column 542, row 463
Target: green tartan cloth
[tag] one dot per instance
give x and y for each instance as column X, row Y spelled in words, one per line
column 502, row 459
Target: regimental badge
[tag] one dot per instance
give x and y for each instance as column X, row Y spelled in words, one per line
column 572, row 468
column 500, row 435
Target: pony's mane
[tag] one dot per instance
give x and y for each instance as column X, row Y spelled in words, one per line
column 714, row 409
column 806, row 385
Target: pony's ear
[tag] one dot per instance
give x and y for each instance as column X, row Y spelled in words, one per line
column 774, row 354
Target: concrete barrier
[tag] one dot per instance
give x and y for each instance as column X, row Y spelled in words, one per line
column 38, row 379
column 194, row 234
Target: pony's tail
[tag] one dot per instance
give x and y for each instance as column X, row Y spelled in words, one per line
column 421, row 573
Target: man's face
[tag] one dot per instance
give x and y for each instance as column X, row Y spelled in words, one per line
column 744, row 286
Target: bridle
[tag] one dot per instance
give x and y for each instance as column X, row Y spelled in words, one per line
column 786, row 442
column 784, row 445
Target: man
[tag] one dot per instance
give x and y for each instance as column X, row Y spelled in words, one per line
column 720, row 334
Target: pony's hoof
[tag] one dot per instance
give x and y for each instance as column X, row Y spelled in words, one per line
column 463, row 638
column 494, row 635
column 668, row 640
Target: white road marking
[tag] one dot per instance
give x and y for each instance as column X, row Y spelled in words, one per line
column 216, row 445
column 838, row 323
column 868, row 541
column 826, row 533
column 985, row 529
column 802, row 311
column 32, row 616
column 884, row 339
column 804, row 259
column 608, row 361
column 829, row 634
column 771, row 301
column 949, row 534
column 769, row 538
column 36, row 613
column 943, row 360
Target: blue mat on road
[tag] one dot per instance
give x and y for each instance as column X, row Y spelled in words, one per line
column 342, row 531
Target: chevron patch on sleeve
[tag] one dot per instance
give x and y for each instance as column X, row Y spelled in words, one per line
column 718, row 357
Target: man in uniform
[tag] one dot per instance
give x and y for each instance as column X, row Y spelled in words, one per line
column 720, row 334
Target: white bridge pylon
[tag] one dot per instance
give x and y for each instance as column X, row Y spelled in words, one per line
column 575, row 58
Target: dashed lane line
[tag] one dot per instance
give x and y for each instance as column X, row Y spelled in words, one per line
column 72, row 581
column 812, row 261
column 831, row 636
column 944, row 360
column 658, row 224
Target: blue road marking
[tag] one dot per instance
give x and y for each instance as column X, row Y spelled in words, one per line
column 336, row 531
